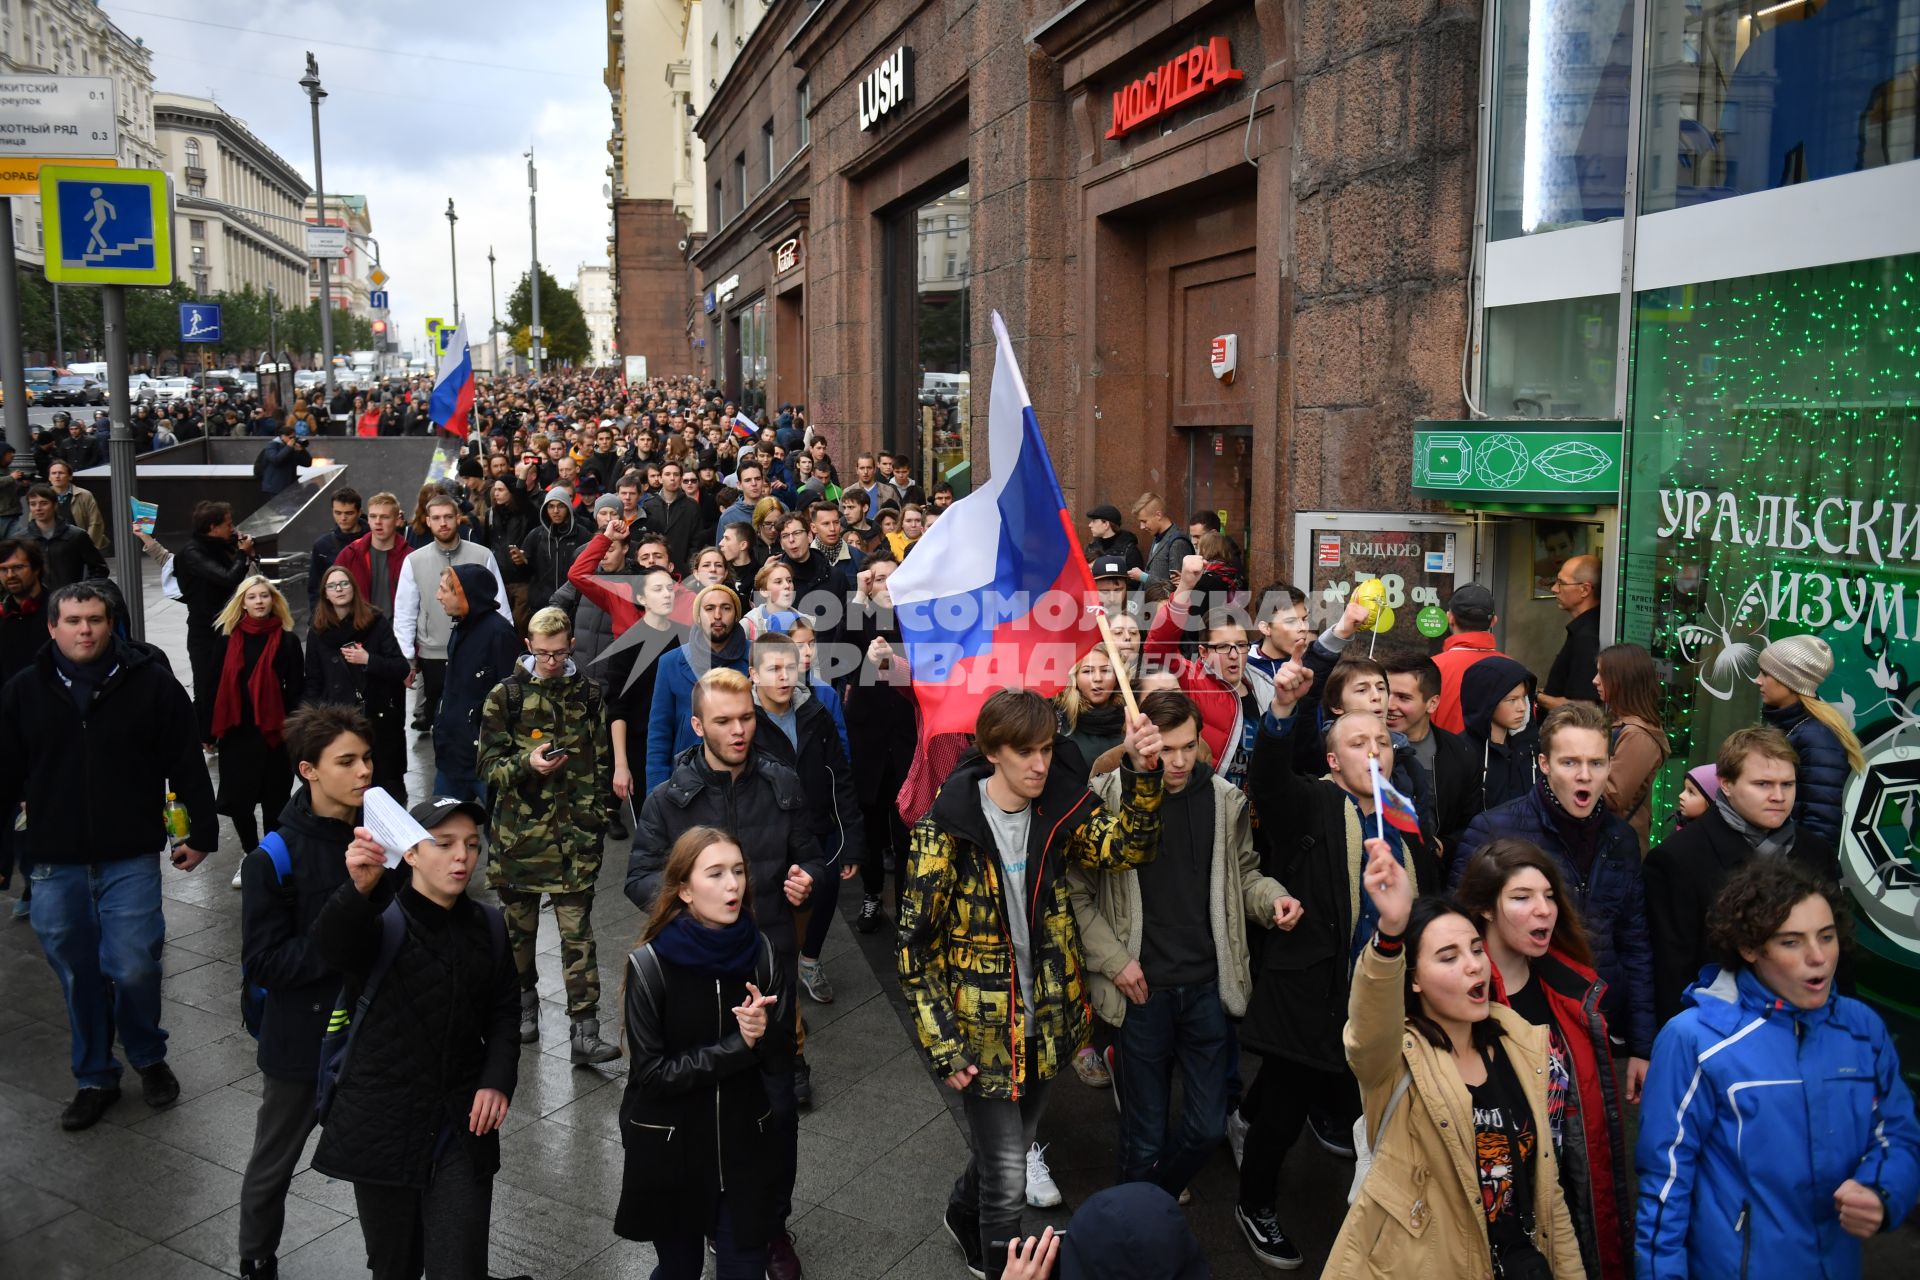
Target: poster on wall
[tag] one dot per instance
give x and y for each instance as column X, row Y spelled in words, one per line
column 1554, row 543
column 1418, row 564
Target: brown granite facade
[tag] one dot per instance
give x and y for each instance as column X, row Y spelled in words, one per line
column 1317, row 207
column 651, row 286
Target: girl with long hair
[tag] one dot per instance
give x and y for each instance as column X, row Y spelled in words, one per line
column 352, row 659
column 1629, row 688
column 261, row 680
column 1543, row 970
column 1792, row 669
column 508, row 522
column 707, row 1017
column 1455, row 1090
column 709, row 568
column 1092, row 714
column 773, row 585
column 417, row 533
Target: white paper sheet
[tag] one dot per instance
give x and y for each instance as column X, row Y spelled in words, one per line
column 391, row 825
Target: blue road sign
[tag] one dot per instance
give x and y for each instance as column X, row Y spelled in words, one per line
column 377, row 300
column 199, row 322
column 107, row 226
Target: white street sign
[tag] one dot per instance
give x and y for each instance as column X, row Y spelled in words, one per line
column 58, row 116
column 326, row 242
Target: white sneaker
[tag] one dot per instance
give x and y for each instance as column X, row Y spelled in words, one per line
column 1236, row 1135
column 1042, row 1192
column 236, row 873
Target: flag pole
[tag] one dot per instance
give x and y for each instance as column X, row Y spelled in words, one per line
column 1379, row 809
column 1119, row 665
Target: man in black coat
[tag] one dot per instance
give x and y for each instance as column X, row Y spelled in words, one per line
column 1752, row 816
column 1413, row 691
column 280, row 462
column 23, row 633
column 69, row 554
column 347, row 526
column 94, row 715
column 480, row 654
column 675, row 515
column 1105, row 537
column 214, row 562
column 331, row 747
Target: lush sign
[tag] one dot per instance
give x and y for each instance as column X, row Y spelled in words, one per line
column 1576, row 463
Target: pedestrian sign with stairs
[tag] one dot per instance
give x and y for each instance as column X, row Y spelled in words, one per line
column 107, row 226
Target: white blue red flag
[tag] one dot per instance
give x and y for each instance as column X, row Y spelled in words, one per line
column 1390, row 803
column 744, row 428
column 452, row 404
column 996, row 594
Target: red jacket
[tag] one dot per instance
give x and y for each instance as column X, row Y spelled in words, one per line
column 1219, row 706
column 616, row 599
column 1455, row 656
column 356, row 559
column 1594, row 1106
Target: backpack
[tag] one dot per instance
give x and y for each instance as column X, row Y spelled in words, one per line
column 349, row 1012
column 1362, row 1146
column 260, row 465
column 253, row 997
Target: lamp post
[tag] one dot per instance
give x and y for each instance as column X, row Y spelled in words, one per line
column 311, row 83
column 273, row 333
column 533, row 233
column 453, row 248
column 493, row 334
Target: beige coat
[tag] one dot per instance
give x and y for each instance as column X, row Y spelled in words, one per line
column 1638, row 752
column 85, row 514
column 1106, row 905
column 1419, row 1213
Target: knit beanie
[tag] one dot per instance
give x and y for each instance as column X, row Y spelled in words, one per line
column 1802, row 663
column 606, row 502
column 1707, row 778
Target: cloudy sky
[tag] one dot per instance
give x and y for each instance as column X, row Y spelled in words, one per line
column 424, row 102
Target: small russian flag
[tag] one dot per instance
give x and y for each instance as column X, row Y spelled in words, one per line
column 1390, row 804
column 745, row 427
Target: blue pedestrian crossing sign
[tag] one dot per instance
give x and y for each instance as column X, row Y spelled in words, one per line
column 107, row 226
column 199, row 322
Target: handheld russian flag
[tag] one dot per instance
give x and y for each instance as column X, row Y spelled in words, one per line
column 995, row 594
column 1390, row 804
column 744, row 427
column 452, row 403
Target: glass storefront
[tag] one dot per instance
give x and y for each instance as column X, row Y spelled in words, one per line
column 930, row 254
column 750, row 342
column 1560, row 114
column 1774, row 488
column 1552, row 359
column 1749, row 97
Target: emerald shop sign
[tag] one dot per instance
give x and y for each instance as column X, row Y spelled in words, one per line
column 1541, row 462
column 1183, row 78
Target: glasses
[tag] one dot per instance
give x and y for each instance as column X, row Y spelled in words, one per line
column 340, row 584
column 549, row 655
column 1226, row 648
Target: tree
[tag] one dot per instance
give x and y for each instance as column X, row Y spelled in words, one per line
column 561, row 320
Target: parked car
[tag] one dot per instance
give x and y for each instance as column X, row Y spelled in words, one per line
column 308, row 378
column 221, row 380
column 142, row 388
column 170, row 390
column 74, row 389
column 39, row 379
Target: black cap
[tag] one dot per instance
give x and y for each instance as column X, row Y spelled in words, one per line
column 435, row 810
column 1474, row 598
column 1109, row 567
column 1108, row 512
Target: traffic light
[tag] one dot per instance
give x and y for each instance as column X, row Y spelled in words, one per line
column 379, row 326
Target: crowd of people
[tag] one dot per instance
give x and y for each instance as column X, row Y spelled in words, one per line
column 1431, row 894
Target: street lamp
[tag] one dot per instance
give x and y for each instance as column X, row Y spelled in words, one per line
column 533, row 234
column 311, row 83
column 273, row 333
column 493, row 334
column 453, row 248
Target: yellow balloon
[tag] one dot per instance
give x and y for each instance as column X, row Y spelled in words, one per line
column 1382, row 619
column 1372, row 592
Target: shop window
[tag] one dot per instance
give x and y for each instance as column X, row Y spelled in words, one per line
column 1561, row 94
column 929, row 390
column 1773, row 488
column 1747, row 98
column 749, row 383
column 1552, row 359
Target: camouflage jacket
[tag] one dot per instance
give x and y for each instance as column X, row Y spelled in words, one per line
column 955, row 954
column 546, row 832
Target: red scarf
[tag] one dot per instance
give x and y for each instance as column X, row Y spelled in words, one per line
column 263, row 686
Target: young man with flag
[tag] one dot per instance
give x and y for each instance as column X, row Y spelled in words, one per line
column 989, row 952
column 1316, row 831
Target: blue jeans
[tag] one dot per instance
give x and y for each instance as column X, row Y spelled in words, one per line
column 101, row 928
column 459, row 786
column 1177, row 1026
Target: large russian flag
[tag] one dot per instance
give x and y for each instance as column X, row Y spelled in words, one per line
column 452, row 403
column 996, row 594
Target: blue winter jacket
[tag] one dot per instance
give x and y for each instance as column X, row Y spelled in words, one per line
column 1823, row 770
column 1754, row 1112
column 670, row 720
column 1612, row 899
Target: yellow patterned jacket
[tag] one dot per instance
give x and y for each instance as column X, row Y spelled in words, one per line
column 956, row 954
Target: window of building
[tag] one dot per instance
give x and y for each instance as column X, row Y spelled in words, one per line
column 929, row 396
column 1561, row 93
column 766, row 145
column 740, row 181
column 1552, row 359
column 803, row 109
column 199, row 255
column 197, row 228
column 193, row 153
column 747, row 380
column 196, row 188
column 717, row 215
column 1747, row 98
